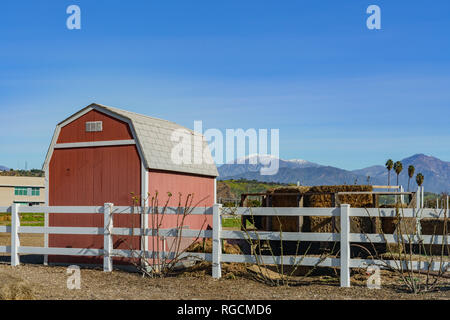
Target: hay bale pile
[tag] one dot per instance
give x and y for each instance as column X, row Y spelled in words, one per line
column 286, row 201
column 324, row 199
column 287, row 224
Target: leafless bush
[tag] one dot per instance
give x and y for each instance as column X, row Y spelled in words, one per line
column 410, row 253
column 282, row 276
column 167, row 248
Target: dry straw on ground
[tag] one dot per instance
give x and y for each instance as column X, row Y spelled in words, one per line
column 205, row 246
column 14, row 288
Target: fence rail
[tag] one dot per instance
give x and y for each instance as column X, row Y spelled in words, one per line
column 345, row 237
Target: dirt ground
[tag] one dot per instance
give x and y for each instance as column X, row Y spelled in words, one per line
column 35, row 281
column 50, row 283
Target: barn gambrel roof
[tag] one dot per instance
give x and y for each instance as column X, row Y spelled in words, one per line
column 154, row 140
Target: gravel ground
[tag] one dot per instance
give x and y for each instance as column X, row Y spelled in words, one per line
column 51, row 283
column 34, row 281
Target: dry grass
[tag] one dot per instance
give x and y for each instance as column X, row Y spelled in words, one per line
column 14, row 288
column 205, row 246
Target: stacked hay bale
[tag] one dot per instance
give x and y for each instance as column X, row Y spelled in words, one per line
column 326, row 197
column 323, row 197
column 287, row 224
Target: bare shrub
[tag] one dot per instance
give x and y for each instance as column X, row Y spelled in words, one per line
column 410, row 252
column 283, row 274
column 168, row 251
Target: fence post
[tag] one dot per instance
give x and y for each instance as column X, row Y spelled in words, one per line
column 217, row 243
column 402, row 196
column 417, row 211
column 107, row 238
column 15, row 241
column 46, row 219
column 345, row 245
column 422, row 201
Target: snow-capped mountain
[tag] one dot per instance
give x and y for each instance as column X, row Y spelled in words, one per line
column 435, row 171
column 254, row 163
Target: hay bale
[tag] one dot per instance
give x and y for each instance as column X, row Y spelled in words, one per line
column 287, row 200
column 323, row 198
column 13, row 288
column 287, row 224
column 206, row 247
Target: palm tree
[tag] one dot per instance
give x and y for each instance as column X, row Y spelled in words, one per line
column 398, row 167
column 389, row 166
column 411, row 170
column 419, row 179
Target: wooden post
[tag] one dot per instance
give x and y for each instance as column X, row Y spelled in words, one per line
column 15, row 241
column 422, row 192
column 107, row 238
column 417, row 212
column 345, row 246
column 217, row 243
column 402, row 196
column 418, row 197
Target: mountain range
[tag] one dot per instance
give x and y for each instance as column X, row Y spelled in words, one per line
column 3, row 168
column 435, row 171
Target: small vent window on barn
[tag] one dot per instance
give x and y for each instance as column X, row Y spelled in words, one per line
column 94, row 126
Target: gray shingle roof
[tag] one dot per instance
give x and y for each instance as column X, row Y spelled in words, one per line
column 155, row 139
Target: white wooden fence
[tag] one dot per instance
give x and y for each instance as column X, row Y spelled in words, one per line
column 345, row 237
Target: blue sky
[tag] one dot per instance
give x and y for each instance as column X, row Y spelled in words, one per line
column 340, row 94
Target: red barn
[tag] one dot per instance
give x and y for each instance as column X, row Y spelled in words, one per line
column 102, row 155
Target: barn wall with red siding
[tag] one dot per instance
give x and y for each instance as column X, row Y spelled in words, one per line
column 92, row 177
column 113, row 129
